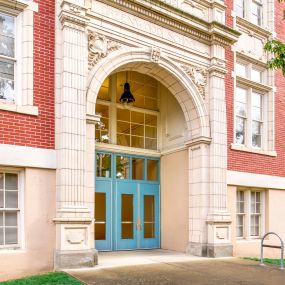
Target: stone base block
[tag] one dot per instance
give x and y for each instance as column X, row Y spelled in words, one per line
column 75, row 259
column 210, row 250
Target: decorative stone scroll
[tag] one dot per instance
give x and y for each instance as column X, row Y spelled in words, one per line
column 199, row 77
column 99, row 47
column 155, row 54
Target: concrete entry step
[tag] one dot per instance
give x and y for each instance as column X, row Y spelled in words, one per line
column 141, row 257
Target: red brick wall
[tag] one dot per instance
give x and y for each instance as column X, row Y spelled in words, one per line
column 36, row 131
column 255, row 163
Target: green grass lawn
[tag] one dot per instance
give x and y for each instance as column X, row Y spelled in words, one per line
column 266, row 260
column 53, row 278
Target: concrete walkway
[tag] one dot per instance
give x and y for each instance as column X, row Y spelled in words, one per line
column 159, row 267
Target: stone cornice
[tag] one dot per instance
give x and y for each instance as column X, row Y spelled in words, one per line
column 198, row 141
column 247, row 58
column 252, row 27
column 176, row 19
column 253, row 84
column 16, row 6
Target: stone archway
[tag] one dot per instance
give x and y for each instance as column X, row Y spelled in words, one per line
column 171, row 75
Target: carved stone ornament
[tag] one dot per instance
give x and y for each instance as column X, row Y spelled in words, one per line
column 99, row 47
column 198, row 76
column 155, row 54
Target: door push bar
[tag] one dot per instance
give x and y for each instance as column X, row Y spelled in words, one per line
column 272, row 246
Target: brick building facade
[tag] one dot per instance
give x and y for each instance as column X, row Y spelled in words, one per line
column 77, row 166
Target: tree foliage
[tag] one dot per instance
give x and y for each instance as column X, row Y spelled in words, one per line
column 277, row 48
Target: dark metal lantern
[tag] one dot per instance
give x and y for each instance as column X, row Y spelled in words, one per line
column 127, row 96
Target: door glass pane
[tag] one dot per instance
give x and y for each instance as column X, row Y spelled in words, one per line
column 127, row 217
column 100, row 216
column 103, row 165
column 152, row 169
column 149, row 216
column 122, row 167
column 138, row 169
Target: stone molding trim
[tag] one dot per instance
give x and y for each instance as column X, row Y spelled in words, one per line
column 99, row 47
column 259, row 86
column 17, row 6
column 198, row 76
column 175, row 19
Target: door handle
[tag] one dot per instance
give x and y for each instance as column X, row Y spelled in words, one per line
column 138, row 224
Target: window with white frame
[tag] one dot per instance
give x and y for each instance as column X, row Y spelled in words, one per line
column 9, row 210
column 249, row 117
column 250, row 10
column 250, row 213
column 7, row 58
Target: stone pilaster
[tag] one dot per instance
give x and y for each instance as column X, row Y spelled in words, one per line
column 218, row 218
column 74, row 246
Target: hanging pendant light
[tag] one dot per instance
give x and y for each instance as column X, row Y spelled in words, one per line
column 127, row 97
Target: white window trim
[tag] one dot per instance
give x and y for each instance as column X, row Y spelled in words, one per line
column 247, row 197
column 23, row 11
column 21, row 206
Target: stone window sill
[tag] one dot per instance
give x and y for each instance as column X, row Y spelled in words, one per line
column 28, row 110
column 253, row 150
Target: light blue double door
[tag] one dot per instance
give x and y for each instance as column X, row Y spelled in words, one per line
column 126, row 203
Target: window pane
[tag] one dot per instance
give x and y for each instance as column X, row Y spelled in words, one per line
column 11, row 236
column 150, row 143
column 1, row 219
column 103, row 165
column 256, row 113
column 138, row 169
column 1, row 236
column 152, row 170
column 7, row 80
column 7, row 35
column 239, row 8
column 11, row 199
column 1, row 181
column 123, row 115
column 1, row 199
column 151, row 132
column 123, row 127
column 150, row 120
column 240, row 130
column 241, row 70
column 256, row 134
column 241, row 95
column 241, row 109
column 104, row 90
column 137, row 117
column 103, row 110
column 137, row 142
column 11, row 181
column 127, row 216
column 137, row 130
column 256, row 100
column 122, row 167
column 123, row 140
column 256, row 75
column 11, row 219
column 256, row 13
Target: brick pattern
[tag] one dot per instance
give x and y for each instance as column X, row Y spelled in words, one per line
column 249, row 162
column 36, row 131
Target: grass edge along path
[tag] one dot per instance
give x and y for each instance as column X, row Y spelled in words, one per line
column 265, row 260
column 52, row 278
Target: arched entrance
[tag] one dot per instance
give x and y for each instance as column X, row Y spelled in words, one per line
column 121, row 205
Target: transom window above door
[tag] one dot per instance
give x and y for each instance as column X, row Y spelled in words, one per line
column 133, row 126
column 123, row 166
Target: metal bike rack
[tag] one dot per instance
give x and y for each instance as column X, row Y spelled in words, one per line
column 272, row 246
